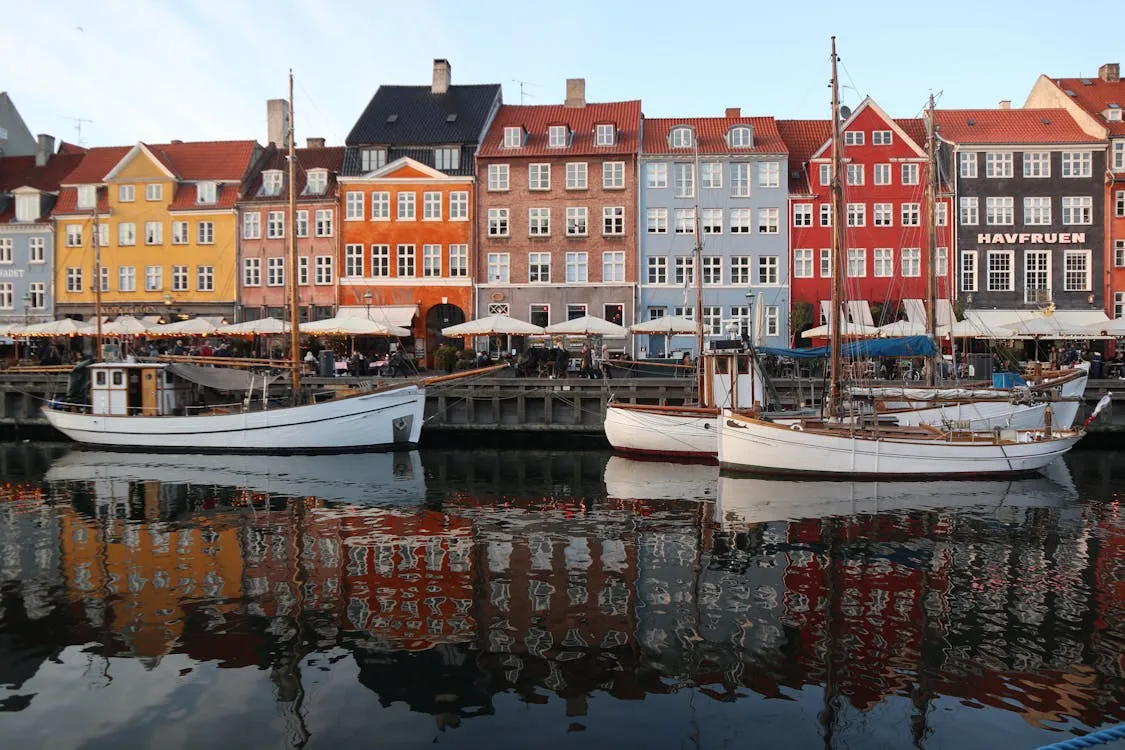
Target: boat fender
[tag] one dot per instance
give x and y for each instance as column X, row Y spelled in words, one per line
column 732, row 423
column 796, row 427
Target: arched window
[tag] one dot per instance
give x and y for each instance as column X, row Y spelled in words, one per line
column 681, row 137
column 741, row 136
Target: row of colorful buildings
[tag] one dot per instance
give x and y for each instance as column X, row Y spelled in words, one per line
column 446, row 204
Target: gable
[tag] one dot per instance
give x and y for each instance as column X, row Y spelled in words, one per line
column 870, row 116
column 406, row 169
column 139, row 164
column 406, row 172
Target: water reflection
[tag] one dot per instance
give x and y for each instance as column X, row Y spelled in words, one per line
column 456, row 585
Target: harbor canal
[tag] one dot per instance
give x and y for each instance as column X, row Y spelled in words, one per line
column 518, row 598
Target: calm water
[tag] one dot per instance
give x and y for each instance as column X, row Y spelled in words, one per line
column 526, row 599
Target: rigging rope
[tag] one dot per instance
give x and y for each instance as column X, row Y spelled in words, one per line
column 1105, row 736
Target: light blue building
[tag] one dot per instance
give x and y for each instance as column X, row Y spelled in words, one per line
column 725, row 177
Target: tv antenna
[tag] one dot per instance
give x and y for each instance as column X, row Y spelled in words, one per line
column 523, row 86
column 78, row 126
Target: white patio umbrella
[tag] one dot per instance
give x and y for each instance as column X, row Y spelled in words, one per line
column 352, row 327
column 493, row 325
column 587, row 325
column 1042, row 326
column 260, row 327
column 667, row 325
column 124, row 325
column 1115, row 327
column 61, row 327
column 901, row 328
column 189, row 327
column 848, row 330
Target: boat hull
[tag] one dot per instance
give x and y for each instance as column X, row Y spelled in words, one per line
column 384, row 420
column 986, row 415
column 643, row 432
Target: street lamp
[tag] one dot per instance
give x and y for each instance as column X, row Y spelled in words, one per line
column 168, row 298
column 367, row 302
column 750, row 318
column 26, row 307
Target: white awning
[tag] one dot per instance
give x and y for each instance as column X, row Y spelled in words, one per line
column 1069, row 323
column 392, row 315
column 859, row 312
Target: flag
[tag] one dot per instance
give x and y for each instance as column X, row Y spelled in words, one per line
column 1103, row 402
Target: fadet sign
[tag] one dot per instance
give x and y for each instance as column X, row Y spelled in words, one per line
column 1034, row 238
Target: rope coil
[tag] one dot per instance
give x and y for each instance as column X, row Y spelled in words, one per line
column 1103, row 737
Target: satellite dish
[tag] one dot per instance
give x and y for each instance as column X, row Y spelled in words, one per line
column 845, row 112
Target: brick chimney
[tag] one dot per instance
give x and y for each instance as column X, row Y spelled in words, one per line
column 1005, row 104
column 443, row 73
column 277, row 122
column 45, row 148
column 314, row 142
column 575, row 92
column 734, row 112
column 1110, row 72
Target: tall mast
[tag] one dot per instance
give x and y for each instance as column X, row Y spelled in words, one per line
column 697, row 259
column 835, row 362
column 96, row 239
column 931, row 224
column 294, row 333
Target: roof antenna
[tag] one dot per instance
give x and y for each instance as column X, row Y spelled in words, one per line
column 78, row 126
column 524, row 85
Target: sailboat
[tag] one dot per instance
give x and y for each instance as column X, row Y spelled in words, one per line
column 155, row 405
column 836, row 447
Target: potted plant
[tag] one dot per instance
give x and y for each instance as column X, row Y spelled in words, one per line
column 445, row 357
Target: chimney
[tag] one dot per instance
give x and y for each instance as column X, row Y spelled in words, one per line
column 443, row 73
column 277, row 122
column 314, row 142
column 575, row 92
column 1005, row 104
column 734, row 112
column 1110, row 72
column 175, row 140
column 44, row 150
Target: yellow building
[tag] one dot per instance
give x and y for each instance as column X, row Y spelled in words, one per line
column 163, row 219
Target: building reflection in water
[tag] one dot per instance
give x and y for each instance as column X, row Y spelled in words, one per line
column 455, row 576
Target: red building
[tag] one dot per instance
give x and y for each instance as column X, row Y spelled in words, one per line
column 885, row 240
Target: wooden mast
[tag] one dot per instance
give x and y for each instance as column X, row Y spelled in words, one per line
column 835, row 362
column 697, row 268
column 294, row 332
column 931, row 223
column 96, row 239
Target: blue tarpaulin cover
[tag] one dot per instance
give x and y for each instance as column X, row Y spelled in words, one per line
column 905, row 346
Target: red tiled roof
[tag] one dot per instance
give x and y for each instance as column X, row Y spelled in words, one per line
column 226, row 195
column 201, row 160
column 18, row 171
column 1095, row 97
column 803, row 138
column 999, row 126
column 915, row 127
column 96, row 165
column 330, row 158
column 535, row 119
column 712, row 134
column 68, row 202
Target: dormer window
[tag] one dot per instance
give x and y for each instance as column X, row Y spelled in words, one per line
column 317, row 182
column 557, row 136
column 27, row 206
column 741, row 136
column 513, row 137
column 87, row 195
column 271, row 182
column 447, row 158
column 371, row 159
column 681, row 138
column 605, row 135
column 205, row 192
column 1113, row 113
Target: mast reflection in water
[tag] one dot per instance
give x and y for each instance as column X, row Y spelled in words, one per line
column 514, row 598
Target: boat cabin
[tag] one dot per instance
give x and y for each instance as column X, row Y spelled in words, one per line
column 731, row 378
column 135, row 389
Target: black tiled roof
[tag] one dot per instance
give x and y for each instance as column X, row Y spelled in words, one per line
column 353, row 160
column 424, row 118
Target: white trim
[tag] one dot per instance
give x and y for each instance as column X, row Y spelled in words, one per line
column 868, row 102
column 139, row 148
column 381, row 173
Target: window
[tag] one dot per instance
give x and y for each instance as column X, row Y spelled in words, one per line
column 104, row 273
column 967, row 162
column 557, row 136
column 372, row 159
column 126, row 279
column 576, row 221
column 1077, row 210
column 497, row 222
column 998, row 211
column 577, row 271
column 999, row 271
column 353, row 206
column 458, row 261
column 179, row 278
column 539, row 268
column 1077, row 164
column 803, row 263
column 575, row 311
column 205, row 192
column 513, row 137
column 826, row 214
column 613, row 220
column 1119, row 203
column 353, row 260
column 1119, row 304
column 407, row 210
column 855, row 174
column 380, row 209
column 154, row 191
column 684, row 178
column 613, row 175
column 447, row 158
column 911, row 214
column 539, row 315
column 380, row 261
column 912, row 261
column 154, row 233
column 1118, row 155
column 1076, row 270
column 712, row 269
column 38, row 292
column 882, row 214
column 5, row 250
column 539, row 222
column 316, row 182
column 205, row 278
column 802, row 214
column 740, row 179
column 275, row 271
column 251, row 226
column 740, row 270
column 658, row 270
column 74, row 279
column 712, row 221
column 431, row 206
column 711, row 174
column 853, row 138
column 968, row 270
column 27, row 207
column 576, row 175
column 713, row 320
column 605, row 135
column 127, row 234
column 910, row 174
column 303, row 270
column 656, row 175
column 769, row 174
column 684, row 311
column 884, row 259
column 683, row 273
column 324, row 222
column 322, row 270
column 880, row 137
column 741, row 136
column 275, row 224
column 126, row 193
column 773, row 320
column 1036, row 211
column 882, row 174
column 769, row 221
column 941, row 263
column 1037, row 276
column 857, row 262
column 497, row 177
column 825, row 263
column 154, row 278
column 36, row 250
column 86, row 196
column 431, row 261
column 74, row 235
column 459, row 205
column 1119, row 253
column 970, row 215
column 406, row 261
column 681, row 138
column 685, row 221
column 7, row 298
column 997, row 164
column 205, row 232
column 740, row 221
column 825, row 174
column 103, row 235
column 768, row 270
column 538, row 176
column 1037, row 164
column 656, row 220
column 857, row 214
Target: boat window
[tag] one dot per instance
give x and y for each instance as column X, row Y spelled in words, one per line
column 99, row 377
column 722, row 365
column 118, row 377
column 743, row 365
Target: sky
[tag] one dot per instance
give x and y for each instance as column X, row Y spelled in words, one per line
column 155, row 70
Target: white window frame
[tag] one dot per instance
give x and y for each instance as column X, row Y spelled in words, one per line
column 1036, row 164
column 458, row 261
column 577, row 221
column 613, row 175
column 1077, row 210
column 882, row 215
column 1077, row 164
column 206, row 192
column 275, row 225
column 656, row 175
column 498, row 178
column 605, row 134
column 741, row 220
column 36, row 250
column 539, row 176
column 968, row 272
column 154, row 191
column 126, row 278
column 1070, row 281
column 353, row 260
column 998, row 164
column 354, row 201
column 769, row 174
column 499, row 224
column 803, row 263
column 910, row 174
column 251, row 225
column 910, row 262
column 969, row 211
column 406, row 202
column 275, row 271
column 769, row 270
column 204, row 278
column 683, row 179
column 741, row 270
column 577, row 267
column 711, row 175
column 380, row 205
column 802, row 214
column 499, row 268
column 539, row 268
column 911, row 214
column 323, row 270
column 613, row 221
column 881, row 174
column 380, row 261
column 857, row 263
column 432, row 204
column 539, row 222
column 558, row 136
column 126, row 193
column 613, row 266
column 656, row 221
column 179, row 278
column 459, row 205
column 993, row 277
column 881, row 138
column 513, row 137
column 1036, row 270
column 1037, row 210
column 883, row 262
column 967, row 164
column 769, row 221
column 431, row 261
column 406, row 261
column 657, row 270
column 740, row 179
